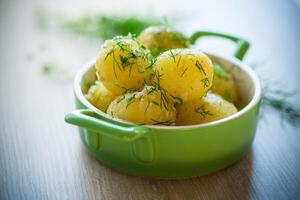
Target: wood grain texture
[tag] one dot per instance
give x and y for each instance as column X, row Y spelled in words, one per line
column 41, row 157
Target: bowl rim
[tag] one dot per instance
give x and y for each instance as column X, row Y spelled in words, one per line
column 244, row 67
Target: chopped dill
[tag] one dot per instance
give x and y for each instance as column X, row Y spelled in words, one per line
column 152, row 62
column 165, row 123
column 129, row 97
column 128, row 90
column 109, row 53
column 183, row 72
column 177, row 100
column 155, row 103
column 200, row 67
column 128, row 58
column 132, row 54
column 114, row 64
column 220, row 72
column 120, row 43
column 179, row 59
column 121, row 99
column 205, row 82
column 157, row 77
column 173, row 55
column 150, row 89
column 164, row 100
column 201, row 110
column 148, row 104
column 124, row 60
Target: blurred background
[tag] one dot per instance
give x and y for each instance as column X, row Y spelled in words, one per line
column 42, row 45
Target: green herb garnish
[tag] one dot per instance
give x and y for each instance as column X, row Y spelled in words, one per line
column 105, row 27
column 177, row 100
column 165, row 123
column 150, row 89
column 201, row 110
column 200, row 67
column 183, row 72
column 220, row 72
column 48, row 68
column 279, row 100
column 205, row 82
column 164, row 100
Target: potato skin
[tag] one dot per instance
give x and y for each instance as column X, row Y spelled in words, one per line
column 209, row 108
column 160, row 38
column 122, row 64
column 224, row 85
column 184, row 73
column 99, row 96
column 150, row 106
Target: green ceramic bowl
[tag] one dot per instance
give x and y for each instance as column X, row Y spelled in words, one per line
column 171, row 151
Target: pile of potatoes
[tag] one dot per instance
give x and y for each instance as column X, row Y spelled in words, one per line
column 156, row 79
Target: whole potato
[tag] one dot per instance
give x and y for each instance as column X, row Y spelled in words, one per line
column 209, row 108
column 99, row 96
column 150, row 106
column 160, row 38
column 224, row 85
column 184, row 73
column 122, row 64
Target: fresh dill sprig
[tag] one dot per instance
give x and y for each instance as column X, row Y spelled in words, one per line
column 156, row 78
column 173, row 55
column 200, row 67
column 150, row 89
column 129, row 97
column 177, row 100
column 152, row 62
column 165, row 123
column 183, row 72
column 201, row 110
column 220, row 72
column 164, row 100
column 105, row 27
column 279, row 100
column 179, row 59
column 205, row 82
column 274, row 96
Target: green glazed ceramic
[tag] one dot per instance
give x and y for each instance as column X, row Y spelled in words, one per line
column 171, row 151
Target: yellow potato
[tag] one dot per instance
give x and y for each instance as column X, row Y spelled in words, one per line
column 122, row 64
column 150, row 106
column 184, row 73
column 99, row 96
column 209, row 108
column 224, row 85
column 159, row 39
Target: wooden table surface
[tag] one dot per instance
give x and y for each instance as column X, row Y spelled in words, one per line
column 41, row 157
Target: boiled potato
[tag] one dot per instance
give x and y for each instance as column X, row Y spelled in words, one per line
column 184, row 73
column 224, row 85
column 150, row 106
column 99, row 96
column 122, row 64
column 160, row 38
column 209, row 108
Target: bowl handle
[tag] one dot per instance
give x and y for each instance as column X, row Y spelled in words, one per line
column 242, row 45
column 87, row 118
